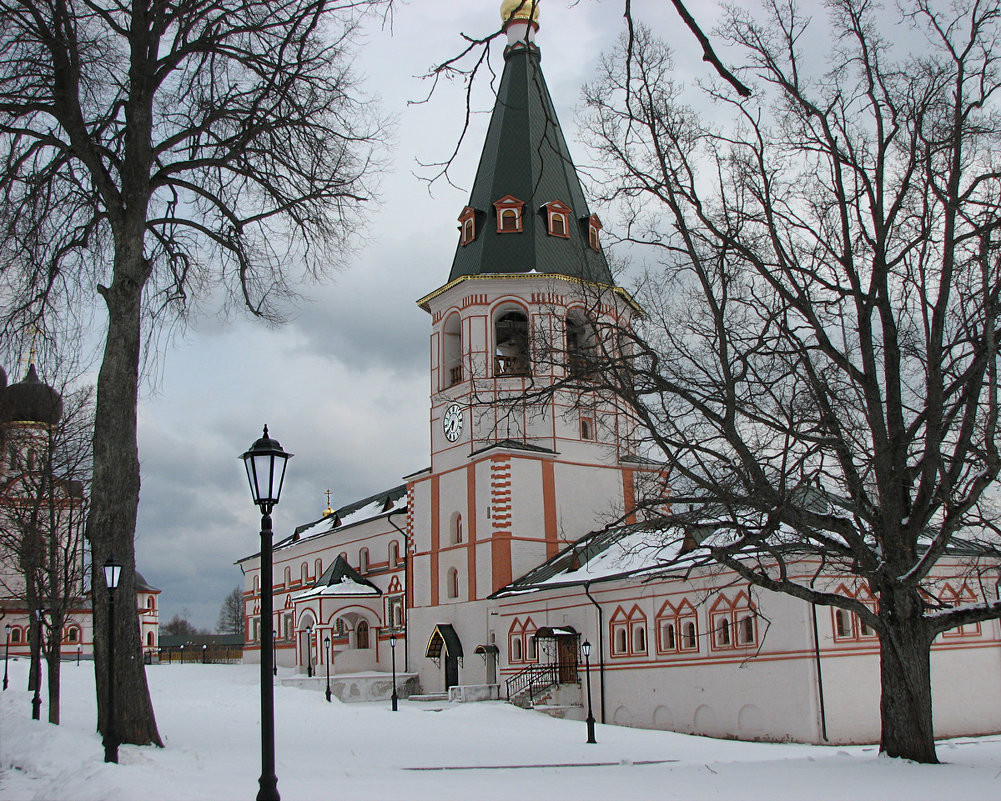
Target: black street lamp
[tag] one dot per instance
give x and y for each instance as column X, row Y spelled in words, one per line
column 392, row 650
column 265, row 463
column 112, row 573
column 6, row 655
column 309, row 651
column 36, row 699
column 326, row 645
column 274, row 652
column 586, row 648
column 204, row 648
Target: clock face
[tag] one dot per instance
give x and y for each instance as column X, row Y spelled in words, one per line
column 451, row 422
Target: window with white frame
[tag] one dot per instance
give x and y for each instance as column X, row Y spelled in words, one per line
column 509, row 214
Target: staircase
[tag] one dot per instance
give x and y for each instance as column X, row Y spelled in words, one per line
column 523, row 688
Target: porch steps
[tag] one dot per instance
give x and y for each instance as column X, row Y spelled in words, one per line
column 435, row 698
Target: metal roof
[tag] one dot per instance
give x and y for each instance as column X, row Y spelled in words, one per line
column 525, row 156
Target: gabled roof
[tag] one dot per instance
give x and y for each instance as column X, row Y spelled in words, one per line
column 607, row 555
column 374, row 506
column 338, row 580
column 525, row 156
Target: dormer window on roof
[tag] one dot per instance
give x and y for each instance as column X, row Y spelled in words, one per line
column 558, row 218
column 509, row 214
column 467, row 225
column 593, row 232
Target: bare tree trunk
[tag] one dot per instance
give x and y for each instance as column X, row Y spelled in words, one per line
column 111, row 524
column 905, row 705
column 54, row 664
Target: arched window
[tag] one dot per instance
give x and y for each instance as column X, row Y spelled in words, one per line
column 257, row 584
column 304, row 572
column 516, row 649
column 149, row 639
column 451, row 351
column 467, row 225
column 533, row 648
column 691, row 639
column 842, row 623
column 558, row 218
column 73, row 634
column 150, row 603
column 508, row 214
column 511, row 343
column 15, row 635
column 722, row 631
column 394, row 553
column 288, row 576
column 594, row 232
column 363, row 561
column 456, row 528
column 639, row 639
column 668, row 640
column 452, row 583
column 361, row 635
column 619, row 643
column 318, row 567
column 580, row 356
column 745, row 630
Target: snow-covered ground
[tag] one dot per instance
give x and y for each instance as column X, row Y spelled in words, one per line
column 208, row 716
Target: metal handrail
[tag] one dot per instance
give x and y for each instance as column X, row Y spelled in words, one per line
column 534, row 679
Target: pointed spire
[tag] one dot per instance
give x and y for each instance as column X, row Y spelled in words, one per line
column 526, row 211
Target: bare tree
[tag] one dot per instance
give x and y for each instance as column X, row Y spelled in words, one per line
column 818, row 363
column 180, row 626
column 42, row 514
column 231, row 613
column 152, row 150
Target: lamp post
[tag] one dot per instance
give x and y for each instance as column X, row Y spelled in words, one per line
column 112, row 573
column 326, row 645
column 392, row 650
column 309, row 652
column 204, row 648
column 586, row 648
column 265, row 462
column 274, row 652
column 36, row 699
column 6, row 655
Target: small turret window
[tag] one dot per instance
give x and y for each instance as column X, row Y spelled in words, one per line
column 509, row 214
column 467, row 225
column 594, row 232
column 557, row 218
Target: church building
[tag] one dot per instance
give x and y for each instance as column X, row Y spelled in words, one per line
column 485, row 573
column 42, row 515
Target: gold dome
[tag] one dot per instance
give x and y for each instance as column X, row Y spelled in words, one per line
column 520, row 9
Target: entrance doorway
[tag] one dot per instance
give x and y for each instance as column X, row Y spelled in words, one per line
column 444, row 644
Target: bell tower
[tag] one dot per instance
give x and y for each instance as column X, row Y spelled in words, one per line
column 518, row 469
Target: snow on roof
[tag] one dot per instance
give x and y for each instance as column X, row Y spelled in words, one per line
column 386, row 502
column 629, row 550
column 345, row 586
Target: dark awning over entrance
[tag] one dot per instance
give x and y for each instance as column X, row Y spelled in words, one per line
column 552, row 632
column 443, row 638
column 486, row 649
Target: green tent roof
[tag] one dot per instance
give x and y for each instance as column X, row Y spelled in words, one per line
column 526, row 156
